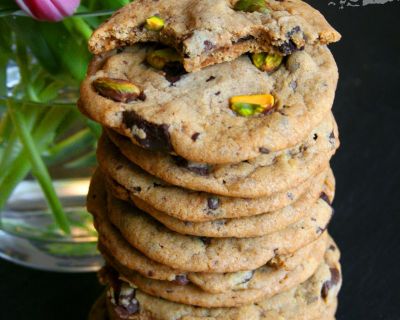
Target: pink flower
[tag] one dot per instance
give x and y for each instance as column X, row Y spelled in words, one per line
column 48, row 10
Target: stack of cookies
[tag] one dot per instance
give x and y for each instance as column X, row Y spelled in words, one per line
column 214, row 190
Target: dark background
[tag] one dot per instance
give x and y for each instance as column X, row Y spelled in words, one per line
column 367, row 220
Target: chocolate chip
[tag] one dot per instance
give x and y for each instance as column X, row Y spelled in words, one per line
column 213, row 203
column 157, row 185
column 152, row 136
column 218, row 93
column 210, row 79
column 293, row 31
column 335, row 279
column 137, row 189
column 244, row 39
column 150, row 273
column 264, row 150
column 315, row 137
column 208, row 45
column 174, row 71
column 195, row 136
column 201, row 169
column 142, row 96
column 205, row 240
column 332, row 138
column 248, row 277
column 288, row 47
column 219, row 223
column 332, row 247
column 181, row 280
column 325, row 197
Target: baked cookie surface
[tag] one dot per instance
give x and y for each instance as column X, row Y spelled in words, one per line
column 192, row 117
column 207, row 32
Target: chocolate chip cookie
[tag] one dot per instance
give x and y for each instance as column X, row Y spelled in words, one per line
column 207, row 32
column 193, row 116
column 261, row 176
column 313, row 299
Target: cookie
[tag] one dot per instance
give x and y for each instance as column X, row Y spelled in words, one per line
column 263, row 283
column 313, row 299
column 115, row 248
column 189, row 205
column 206, row 32
column 192, row 117
column 261, row 176
column 112, row 242
column 200, row 254
column 254, row 226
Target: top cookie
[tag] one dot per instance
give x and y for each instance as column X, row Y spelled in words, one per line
column 206, row 32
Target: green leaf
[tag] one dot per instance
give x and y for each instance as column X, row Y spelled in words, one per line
column 39, row 169
column 70, row 51
column 25, row 28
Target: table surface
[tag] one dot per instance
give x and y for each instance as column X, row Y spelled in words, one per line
column 368, row 183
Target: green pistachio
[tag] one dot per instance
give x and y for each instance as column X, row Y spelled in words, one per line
column 247, row 109
column 272, row 62
column 251, row 6
column 116, row 89
column 154, row 23
column 159, row 58
column 258, row 59
column 267, row 62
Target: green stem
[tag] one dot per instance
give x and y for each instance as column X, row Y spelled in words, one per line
column 82, row 27
column 39, row 169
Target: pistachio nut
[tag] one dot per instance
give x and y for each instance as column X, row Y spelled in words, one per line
column 267, row 62
column 251, row 6
column 160, row 58
column 252, row 104
column 116, row 89
column 154, row 23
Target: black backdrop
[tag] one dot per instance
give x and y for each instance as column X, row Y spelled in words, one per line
column 368, row 178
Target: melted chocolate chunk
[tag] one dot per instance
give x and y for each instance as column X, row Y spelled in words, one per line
column 181, row 280
column 156, row 136
column 264, row 150
column 195, row 136
column 335, row 279
column 325, row 197
column 208, row 45
column 213, row 203
column 288, row 47
column 174, row 71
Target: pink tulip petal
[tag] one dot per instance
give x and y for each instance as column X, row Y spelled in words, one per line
column 49, row 10
column 67, row 8
column 24, row 7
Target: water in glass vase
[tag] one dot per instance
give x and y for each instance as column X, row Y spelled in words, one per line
column 30, row 237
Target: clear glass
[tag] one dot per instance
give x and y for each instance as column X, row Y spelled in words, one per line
column 29, row 236
column 28, row 233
